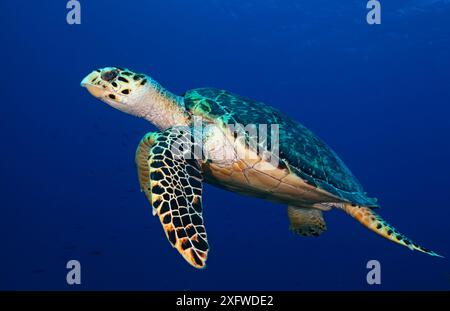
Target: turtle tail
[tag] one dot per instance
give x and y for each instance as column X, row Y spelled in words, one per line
column 374, row 222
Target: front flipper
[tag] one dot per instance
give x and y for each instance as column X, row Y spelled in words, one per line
column 306, row 221
column 173, row 186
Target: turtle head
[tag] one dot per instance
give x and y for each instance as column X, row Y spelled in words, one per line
column 136, row 94
column 118, row 87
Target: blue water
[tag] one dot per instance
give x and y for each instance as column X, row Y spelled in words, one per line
column 378, row 95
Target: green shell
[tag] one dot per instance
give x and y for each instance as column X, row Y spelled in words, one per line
column 307, row 156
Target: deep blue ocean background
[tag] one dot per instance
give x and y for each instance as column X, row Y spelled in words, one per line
column 378, row 95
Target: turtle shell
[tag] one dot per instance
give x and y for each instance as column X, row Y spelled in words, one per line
column 306, row 155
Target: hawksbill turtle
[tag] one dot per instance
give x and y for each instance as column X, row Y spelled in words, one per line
column 290, row 165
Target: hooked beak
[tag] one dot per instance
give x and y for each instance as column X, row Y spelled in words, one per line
column 95, row 90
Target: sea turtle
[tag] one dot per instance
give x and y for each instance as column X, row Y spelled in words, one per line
column 289, row 165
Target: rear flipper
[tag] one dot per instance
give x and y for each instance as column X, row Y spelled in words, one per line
column 374, row 222
column 306, row 221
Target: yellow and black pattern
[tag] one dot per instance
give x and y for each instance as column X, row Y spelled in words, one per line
column 172, row 181
column 306, row 221
column 374, row 222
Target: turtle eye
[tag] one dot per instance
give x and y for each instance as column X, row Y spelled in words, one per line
column 109, row 75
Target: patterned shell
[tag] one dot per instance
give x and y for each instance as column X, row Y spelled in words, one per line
column 307, row 156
